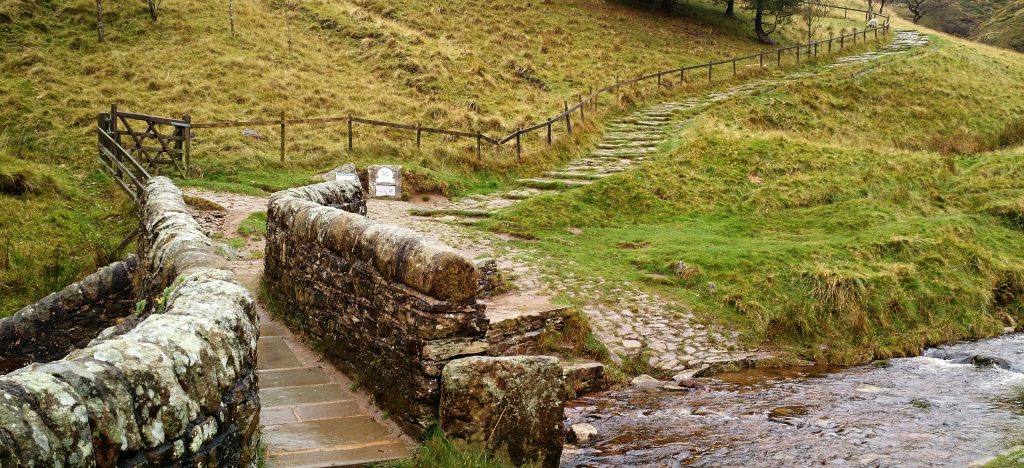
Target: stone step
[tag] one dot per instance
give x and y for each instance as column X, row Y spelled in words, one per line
column 526, row 193
column 624, row 154
column 346, row 456
column 553, row 184
column 324, row 434
column 576, row 175
column 626, row 144
column 453, row 211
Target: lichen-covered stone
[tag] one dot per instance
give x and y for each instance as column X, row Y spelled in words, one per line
column 381, row 302
column 511, row 406
column 69, row 319
column 177, row 389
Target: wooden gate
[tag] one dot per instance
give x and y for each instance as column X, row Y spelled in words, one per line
column 161, row 144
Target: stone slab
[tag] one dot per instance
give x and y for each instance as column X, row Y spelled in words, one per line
column 354, row 456
column 324, row 434
column 292, row 396
column 336, row 409
column 275, row 354
column 295, row 377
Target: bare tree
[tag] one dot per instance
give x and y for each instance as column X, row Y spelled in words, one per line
column 810, row 17
column 99, row 18
column 881, row 6
column 729, row 7
column 871, row 11
column 152, row 9
column 920, row 8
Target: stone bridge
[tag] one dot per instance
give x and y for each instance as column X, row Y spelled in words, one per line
column 152, row 361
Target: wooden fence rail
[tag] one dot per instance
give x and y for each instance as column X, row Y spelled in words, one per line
column 583, row 105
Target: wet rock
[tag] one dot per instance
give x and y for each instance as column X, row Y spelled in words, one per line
column 581, row 433
column 690, row 373
column 583, row 378
column 988, row 361
column 692, row 384
column 967, row 358
column 644, row 380
column 512, row 406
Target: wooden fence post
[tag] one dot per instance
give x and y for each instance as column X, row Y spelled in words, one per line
column 709, row 71
column 350, row 132
column 734, row 67
column 282, row 137
column 780, row 58
column 568, row 120
column 113, row 124
column 659, row 82
column 583, row 116
column 187, row 131
column 797, row 54
column 830, row 34
column 549, row 133
column 842, row 41
column 682, row 75
column 478, row 153
column 519, row 146
column 761, row 59
column 419, row 132
column 593, row 99
column 876, row 33
column 854, row 36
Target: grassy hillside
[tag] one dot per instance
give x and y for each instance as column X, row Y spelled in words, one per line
column 842, row 219
column 460, row 64
column 959, row 17
column 1005, row 28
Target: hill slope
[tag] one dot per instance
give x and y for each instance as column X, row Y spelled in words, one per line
column 1005, row 28
column 863, row 214
column 460, row 64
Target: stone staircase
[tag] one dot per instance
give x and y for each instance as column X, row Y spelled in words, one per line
column 634, row 139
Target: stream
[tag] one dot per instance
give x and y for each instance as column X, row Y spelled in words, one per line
column 921, row 411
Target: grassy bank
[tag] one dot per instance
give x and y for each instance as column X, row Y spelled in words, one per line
column 839, row 219
column 463, row 65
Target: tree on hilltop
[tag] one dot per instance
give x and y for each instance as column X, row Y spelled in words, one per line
column 769, row 15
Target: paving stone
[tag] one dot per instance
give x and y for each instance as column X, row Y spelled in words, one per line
column 290, row 396
column 292, row 377
column 275, row 354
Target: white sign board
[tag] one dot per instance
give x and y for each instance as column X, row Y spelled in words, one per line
column 385, row 191
column 345, row 177
column 385, row 176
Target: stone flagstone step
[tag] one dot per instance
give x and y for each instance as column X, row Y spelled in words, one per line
column 556, row 184
column 311, row 419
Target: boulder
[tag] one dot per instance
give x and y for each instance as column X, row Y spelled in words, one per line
column 644, row 380
column 583, row 378
column 581, row 433
column 512, row 407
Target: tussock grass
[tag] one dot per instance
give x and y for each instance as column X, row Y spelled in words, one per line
column 829, row 225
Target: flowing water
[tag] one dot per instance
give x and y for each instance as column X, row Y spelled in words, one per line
column 921, row 411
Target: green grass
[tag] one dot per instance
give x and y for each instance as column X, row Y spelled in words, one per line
column 1005, row 28
column 254, row 224
column 438, row 451
column 454, row 64
column 827, row 233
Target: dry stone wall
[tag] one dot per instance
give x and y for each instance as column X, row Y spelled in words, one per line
column 387, row 305
column 177, row 389
column 69, row 319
